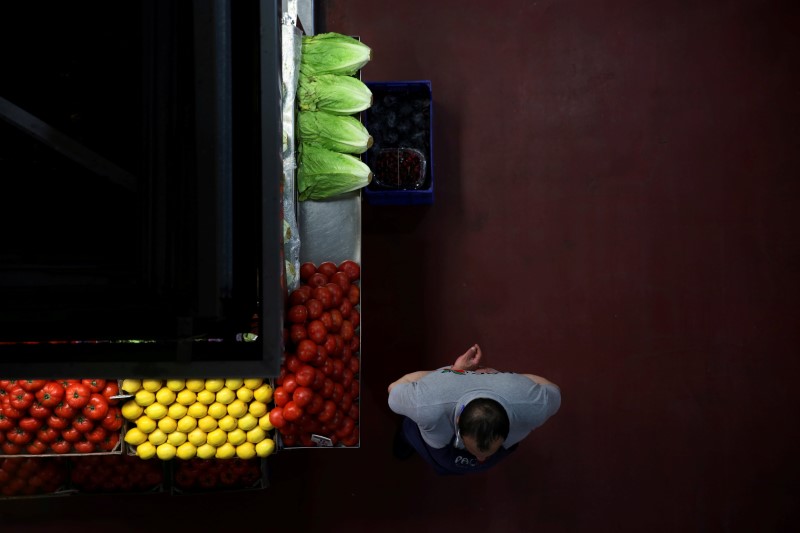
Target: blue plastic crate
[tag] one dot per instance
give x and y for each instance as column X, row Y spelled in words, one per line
column 401, row 116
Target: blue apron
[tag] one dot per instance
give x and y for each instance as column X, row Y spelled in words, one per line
column 450, row 460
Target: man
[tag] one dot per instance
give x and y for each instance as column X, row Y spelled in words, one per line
column 466, row 418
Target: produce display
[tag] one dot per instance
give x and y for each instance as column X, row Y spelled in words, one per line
column 329, row 136
column 317, row 391
column 211, row 474
column 115, row 473
column 205, row 418
column 29, row 476
column 59, row 417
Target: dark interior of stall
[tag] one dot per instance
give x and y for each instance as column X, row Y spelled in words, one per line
column 615, row 210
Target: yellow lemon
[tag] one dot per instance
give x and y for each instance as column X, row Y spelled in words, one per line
column 176, row 385
column 206, row 397
column 145, row 424
column 131, row 385
column 197, row 437
column 165, row 451
column 234, row 383
column 197, row 410
column 253, row 383
column 256, row 435
column 215, row 384
column 217, row 437
column 144, row 397
column 186, row 424
column 135, row 436
column 237, row 408
column 146, row 450
column 151, row 385
column 225, row 451
column 217, row 410
column 227, row 423
column 263, row 393
column 157, row 437
column 132, row 410
column 244, row 394
column 195, row 385
column 177, row 411
column 206, row 451
column 167, row 425
column 207, row 423
column 164, row 396
column 265, row 447
column 237, row 436
column 257, row 409
column 186, row 397
column 225, row 395
column 177, row 438
column 246, row 450
column 248, row 422
column 187, row 450
column 265, row 424
column 156, row 411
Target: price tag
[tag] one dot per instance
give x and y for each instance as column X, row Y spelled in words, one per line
column 324, row 442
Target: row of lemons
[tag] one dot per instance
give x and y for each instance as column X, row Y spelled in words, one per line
column 205, row 418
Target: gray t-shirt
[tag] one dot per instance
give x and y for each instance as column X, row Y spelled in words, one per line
column 435, row 401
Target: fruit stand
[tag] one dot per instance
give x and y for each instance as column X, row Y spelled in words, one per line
column 193, row 420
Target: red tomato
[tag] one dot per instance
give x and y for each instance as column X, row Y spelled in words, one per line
column 97, row 408
column 61, row 446
column 289, row 440
column 327, row 388
column 322, row 294
column 20, row 399
column 322, row 356
column 347, row 330
column 328, row 268
column 84, row 446
column 306, row 350
column 328, row 410
column 289, row 383
column 111, row 389
column 19, row 436
column 319, row 379
column 317, row 331
column 355, row 343
column 56, row 422
column 292, row 411
column 9, row 448
column 354, row 389
column 350, row 268
column 293, row 363
column 95, row 385
column 37, row 410
column 96, row 435
column 347, row 378
column 110, row 442
column 5, row 422
column 353, row 411
column 315, row 308
column 77, row 395
column 317, row 280
column 82, row 424
column 337, row 295
column 71, row 435
column 354, row 295
column 47, row 434
column 345, row 308
column 346, row 427
column 36, row 447
column 328, row 367
column 338, row 367
column 337, row 351
column 336, row 320
column 276, row 417
column 297, row 332
column 302, row 396
column 352, row 440
column 307, row 270
column 326, row 320
column 347, row 353
column 30, row 424
column 113, row 420
column 317, row 401
column 11, row 412
column 64, row 410
column 305, row 376
column 300, row 295
column 280, row 396
column 354, row 365
column 51, row 394
column 31, row 385
column 297, row 314
column 346, row 403
column 338, row 392
column 342, row 280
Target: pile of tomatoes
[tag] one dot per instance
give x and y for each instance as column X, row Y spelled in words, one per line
column 59, row 416
column 26, row 476
column 317, row 390
column 115, row 473
column 208, row 474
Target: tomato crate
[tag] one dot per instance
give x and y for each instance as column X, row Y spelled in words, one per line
column 34, row 477
column 400, row 121
column 202, row 476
